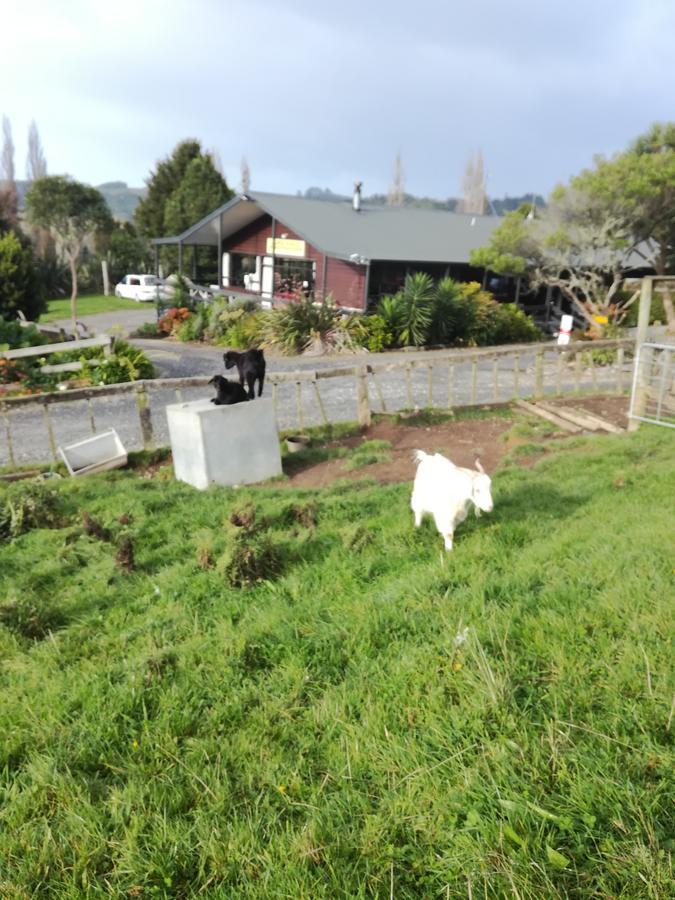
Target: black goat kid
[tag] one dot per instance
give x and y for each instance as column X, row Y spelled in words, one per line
column 251, row 367
column 227, row 392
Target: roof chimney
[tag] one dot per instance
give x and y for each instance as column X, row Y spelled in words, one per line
column 356, row 199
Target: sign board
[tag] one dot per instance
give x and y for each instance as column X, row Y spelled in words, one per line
column 285, row 247
column 566, row 323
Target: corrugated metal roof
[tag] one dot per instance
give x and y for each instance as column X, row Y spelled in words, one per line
column 384, row 233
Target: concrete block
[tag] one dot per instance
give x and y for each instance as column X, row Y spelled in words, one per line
column 225, row 445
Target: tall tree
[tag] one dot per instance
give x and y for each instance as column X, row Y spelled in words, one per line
column 8, row 195
column 36, row 164
column 474, row 192
column 638, row 186
column 201, row 190
column 575, row 244
column 71, row 211
column 245, row 176
column 149, row 215
column 396, row 194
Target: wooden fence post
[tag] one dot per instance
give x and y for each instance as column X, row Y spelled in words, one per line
column 10, row 445
column 50, row 431
column 641, row 376
column 144, row 416
column 539, row 374
column 408, row 386
column 363, row 411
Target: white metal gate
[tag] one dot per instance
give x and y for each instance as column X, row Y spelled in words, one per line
column 653, row 395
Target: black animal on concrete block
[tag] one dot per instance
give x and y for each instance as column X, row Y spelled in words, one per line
column 227, row 392
column 251, row 367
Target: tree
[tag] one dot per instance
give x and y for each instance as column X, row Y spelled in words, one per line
column 8, row 196
column 474, row 198
column 170, row 207
column 71, row 211
column 638, row 187
column 36, row 164
column 396, row 194
column 613, row 218
column 575, row 245
column 20, row 284
column 201, row 190
column 245, row 176
column 149, row 215
column 125, row 251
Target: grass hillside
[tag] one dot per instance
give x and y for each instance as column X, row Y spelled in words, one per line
column 271, row 694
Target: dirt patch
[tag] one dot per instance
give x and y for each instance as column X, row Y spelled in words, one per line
column 461, row 441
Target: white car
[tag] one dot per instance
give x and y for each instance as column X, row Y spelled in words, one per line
column 142, row 287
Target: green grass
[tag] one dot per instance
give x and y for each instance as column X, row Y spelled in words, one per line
column 327, row 732
column 89, row 306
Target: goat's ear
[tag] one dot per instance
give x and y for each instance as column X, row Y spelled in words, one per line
column 212, row 380
column 479, row 467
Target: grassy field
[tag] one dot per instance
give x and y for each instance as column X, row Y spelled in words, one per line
column 270, row 694
column 88, row 306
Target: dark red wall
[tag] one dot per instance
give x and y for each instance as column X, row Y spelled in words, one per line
column 345, row 281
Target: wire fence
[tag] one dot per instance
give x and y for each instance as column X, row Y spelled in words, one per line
column 32, row 428
column 653, row 392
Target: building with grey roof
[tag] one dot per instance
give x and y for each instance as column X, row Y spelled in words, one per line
column 276, row 247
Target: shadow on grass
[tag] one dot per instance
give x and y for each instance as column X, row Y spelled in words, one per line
column 523, row 503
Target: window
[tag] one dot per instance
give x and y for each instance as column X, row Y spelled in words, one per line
column 241, row 264
column 293, row 277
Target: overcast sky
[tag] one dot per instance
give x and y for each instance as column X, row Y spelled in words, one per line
column 321, row 93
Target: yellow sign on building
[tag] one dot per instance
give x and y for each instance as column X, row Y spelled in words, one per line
column 285, row 247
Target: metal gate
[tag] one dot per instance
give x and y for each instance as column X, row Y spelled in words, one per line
column 653, row 395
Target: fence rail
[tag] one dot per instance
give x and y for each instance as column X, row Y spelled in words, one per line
column 34, row 426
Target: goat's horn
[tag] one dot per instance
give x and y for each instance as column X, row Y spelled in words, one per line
column 479, row 467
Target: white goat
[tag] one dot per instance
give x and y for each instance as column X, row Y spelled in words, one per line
column 445, row 491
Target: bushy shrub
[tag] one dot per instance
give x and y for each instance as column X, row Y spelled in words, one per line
column 657, row 312
column 450, row 313
column 304, row 325
column 372, row 332
column 172, row 319
column 515, row 327
column 20, row 285
column 126, row 363
column 192, row 328
column 28, row 505
column 14, row 335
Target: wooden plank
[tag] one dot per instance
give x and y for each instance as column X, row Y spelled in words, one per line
column 562, row 424
column 103, row 340
column 601, row 423
column 572, row 415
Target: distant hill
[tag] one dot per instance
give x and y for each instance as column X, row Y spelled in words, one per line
column 121, row 199
column 498, row 207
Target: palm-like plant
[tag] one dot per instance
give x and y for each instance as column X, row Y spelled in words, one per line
column 418, row 302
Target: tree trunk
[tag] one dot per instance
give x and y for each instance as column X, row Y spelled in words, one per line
column 73, row 294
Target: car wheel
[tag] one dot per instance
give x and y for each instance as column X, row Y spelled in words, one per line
column 118, row 292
